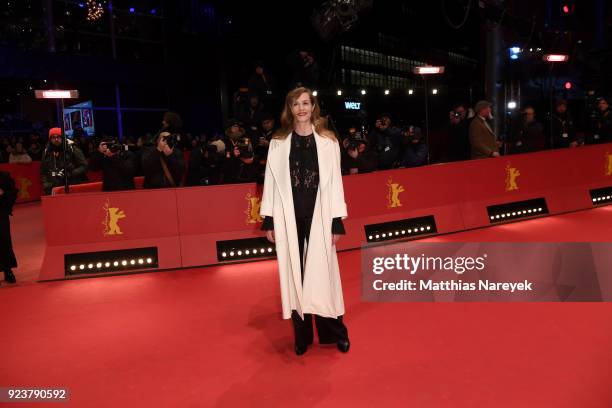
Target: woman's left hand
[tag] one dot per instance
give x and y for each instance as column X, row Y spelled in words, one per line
column 335, row 238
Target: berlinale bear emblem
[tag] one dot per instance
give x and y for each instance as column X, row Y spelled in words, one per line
column 112, row 215
column 393, row 194
column 252, row 211
column 512, row 174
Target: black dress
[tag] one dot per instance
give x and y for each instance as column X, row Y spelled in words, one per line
column 304, row 171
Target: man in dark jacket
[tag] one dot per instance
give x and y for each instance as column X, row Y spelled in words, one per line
column 163, row 164
column 356, row 156
column 52, row 164
column 118, row 165
column 527, row 133
column 386, row 140
column 563, row 130
column 8, row 196
column 240, row 165
column 602, row 131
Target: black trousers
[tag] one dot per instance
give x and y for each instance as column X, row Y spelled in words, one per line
column 330, row 330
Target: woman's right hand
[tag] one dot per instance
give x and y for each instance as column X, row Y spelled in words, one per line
column 270, row 235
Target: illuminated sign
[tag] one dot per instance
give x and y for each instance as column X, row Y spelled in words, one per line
column 352, row 105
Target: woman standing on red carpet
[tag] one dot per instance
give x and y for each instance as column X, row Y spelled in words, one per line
column 303, row 204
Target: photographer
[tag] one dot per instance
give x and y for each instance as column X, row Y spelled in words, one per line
column 205, row 164
column 171, row 124
column 459, row 138
column 52, row 164
column 163, row 164
column 527, row 133
column 240, row 164
column 117, row 163
column 356, row 156
column 563, row 131
column 602, row 126
column 386, row 139
column 415, row 148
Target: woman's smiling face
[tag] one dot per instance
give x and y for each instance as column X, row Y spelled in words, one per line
column 302, row 108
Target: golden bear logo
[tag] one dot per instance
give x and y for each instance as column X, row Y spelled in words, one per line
column 393, row 194
column 24, row 188
column 512, row 174
column 112, row 215
column 608, row 164
column 252, row 211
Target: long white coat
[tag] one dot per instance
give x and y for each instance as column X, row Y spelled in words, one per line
column 321, row 292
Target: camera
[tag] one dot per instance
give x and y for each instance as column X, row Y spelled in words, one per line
column 116, row 147
column 355, row 140
column 244, row 146
column 172, row 140
column 455, row 114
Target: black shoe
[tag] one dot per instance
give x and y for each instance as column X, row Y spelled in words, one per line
column 299, row 350
column 344, row 345
column 9, row 277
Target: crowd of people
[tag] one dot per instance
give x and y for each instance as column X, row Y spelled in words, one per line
column 238, row 155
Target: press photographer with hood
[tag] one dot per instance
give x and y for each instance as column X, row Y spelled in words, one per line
column 118, row 165
column 52, row 164
column 415, row 148
column 162, row 161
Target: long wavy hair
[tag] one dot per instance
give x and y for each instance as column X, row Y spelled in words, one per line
column 287, row 120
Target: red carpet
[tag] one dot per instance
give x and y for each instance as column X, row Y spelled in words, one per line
column 214, row 337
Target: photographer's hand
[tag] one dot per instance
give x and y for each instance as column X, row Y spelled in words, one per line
column 353, row 153
column 103, row 148
column 236, row 151
column 270, row 235
column 162, row 146
column 335, row 238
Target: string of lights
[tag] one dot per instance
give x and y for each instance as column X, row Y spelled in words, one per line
column 94, row 10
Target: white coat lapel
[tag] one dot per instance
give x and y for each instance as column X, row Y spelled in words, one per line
column 324, row 158
column 279, row 164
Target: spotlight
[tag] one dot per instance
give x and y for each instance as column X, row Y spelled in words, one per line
column 124, row 263
column 410, row 91
column 393, row 229
column 132, row 262
column 601, row 196
column 339, row 92
column 516, row 210
column 115, row 264
column 73, row 268
column 132, row 9
column 107, row 264
column 315, row 93
column 434, row 91
column 363, row 91
column 99, row 265
column 81, row 267
column 386, row 92
column 512, row 105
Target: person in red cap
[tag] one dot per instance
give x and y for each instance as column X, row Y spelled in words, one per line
column 52, row 164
